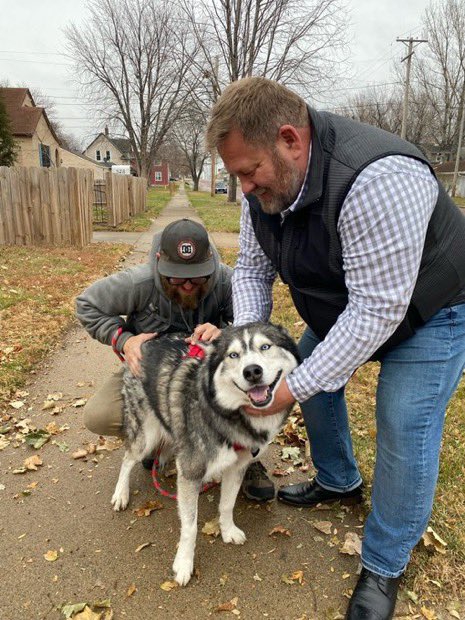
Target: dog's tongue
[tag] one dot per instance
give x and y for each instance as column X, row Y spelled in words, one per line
column 258, row 394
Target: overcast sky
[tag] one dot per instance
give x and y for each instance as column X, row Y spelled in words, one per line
column 32, row 44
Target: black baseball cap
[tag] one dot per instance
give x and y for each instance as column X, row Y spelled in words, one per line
column 185, row 251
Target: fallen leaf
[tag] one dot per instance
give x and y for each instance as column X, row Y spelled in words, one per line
column 62, row 445
column 298, row 575
column 292, row 453
column 352, row 544
column 212, row 528
column 140, row 547
column 228, row 606
column 88, row 614
column 167, row 586
column 433, row 542
column 79, row 403
column 279, row 529
column 451, row 608
column 428, row 613
column 280, row 472
column 148, row 508
column 323, row 526
column 71, row 609
column 33, row 462
column 79, row 454
column 17, row 404
column 20, row 470
column 37, row 438
column 51, row 556
column 132, row 588
column 53, row 429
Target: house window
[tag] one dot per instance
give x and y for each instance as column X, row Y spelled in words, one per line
column 97, row 156
column 108, row 157
column 44, row 156
column 158, row 175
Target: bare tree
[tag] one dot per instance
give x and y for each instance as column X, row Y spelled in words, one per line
column 67, row 140
column 134, row 59
column 296, row 42
column 382, row 107
column 189, row 136
column 439, row 70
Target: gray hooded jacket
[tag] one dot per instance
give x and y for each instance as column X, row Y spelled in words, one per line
column 135, row 301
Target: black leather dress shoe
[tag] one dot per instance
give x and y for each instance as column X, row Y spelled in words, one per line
column 374, row 597
column 309, row 494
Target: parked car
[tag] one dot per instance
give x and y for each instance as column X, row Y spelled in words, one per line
column 221, row 188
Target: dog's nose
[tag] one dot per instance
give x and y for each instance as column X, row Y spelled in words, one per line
column 253, row 373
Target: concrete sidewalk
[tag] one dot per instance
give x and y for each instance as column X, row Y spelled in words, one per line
column 287, row 570
column 177, row 208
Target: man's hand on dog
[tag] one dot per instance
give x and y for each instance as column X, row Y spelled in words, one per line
column 132, row 351
column 206, row 332
column 282, row 400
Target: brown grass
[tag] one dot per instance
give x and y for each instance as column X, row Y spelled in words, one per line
column 38, row 286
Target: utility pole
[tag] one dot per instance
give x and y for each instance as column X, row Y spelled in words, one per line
column 408, row 58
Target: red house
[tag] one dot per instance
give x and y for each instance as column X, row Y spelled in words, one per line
column 160, row 174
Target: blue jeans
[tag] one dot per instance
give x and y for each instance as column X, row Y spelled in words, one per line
column 416, row 381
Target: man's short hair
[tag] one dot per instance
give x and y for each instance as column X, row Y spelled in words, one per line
column 257, row 107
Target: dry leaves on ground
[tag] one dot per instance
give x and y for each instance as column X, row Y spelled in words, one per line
column 146, row 509
column 352, row 544
column 323, row 526
column 212, row 528
column 433, row 542
column 229, row 606
column 279, row 529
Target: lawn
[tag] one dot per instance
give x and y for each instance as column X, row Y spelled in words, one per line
column 38, row 287
column 157, row 199
column 217, row 214
column 433, row 576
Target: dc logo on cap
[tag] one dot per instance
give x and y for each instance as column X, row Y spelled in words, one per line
column 186, row 249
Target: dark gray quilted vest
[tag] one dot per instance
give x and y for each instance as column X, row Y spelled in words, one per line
column 305, row 247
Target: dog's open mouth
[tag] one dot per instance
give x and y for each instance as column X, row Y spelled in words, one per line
column 261, row 395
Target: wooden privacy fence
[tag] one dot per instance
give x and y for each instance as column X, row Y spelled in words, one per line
column 125, row 196
column 46, row 206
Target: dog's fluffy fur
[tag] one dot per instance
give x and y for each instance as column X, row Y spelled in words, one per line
column 192, row 409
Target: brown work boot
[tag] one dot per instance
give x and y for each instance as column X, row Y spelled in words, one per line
column 256, row 484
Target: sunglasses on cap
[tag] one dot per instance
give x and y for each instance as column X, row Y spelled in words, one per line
column 180, row 281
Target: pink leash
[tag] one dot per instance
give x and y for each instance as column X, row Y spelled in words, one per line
column 157, row 485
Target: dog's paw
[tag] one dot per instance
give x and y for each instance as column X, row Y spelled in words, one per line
column 183, row 569
column 120, row 500
column 233, row 535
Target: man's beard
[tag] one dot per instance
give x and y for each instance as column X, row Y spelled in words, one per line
column 185, row 300
column 290, row 180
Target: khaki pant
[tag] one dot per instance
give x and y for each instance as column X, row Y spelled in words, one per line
column 103, row 412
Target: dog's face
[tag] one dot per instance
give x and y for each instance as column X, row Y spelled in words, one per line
column 251, row 361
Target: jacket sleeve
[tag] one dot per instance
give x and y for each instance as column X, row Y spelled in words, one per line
column 102, row 306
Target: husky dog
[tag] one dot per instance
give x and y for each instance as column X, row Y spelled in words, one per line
column 191, row 408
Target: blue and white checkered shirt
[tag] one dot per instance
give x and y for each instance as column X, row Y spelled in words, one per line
column 382, row 228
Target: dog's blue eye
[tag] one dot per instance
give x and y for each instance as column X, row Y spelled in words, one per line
column 233, row 355
column 265, row 347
